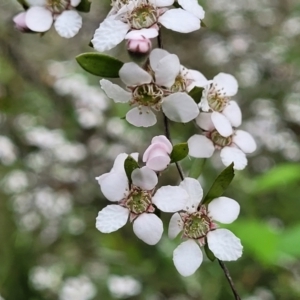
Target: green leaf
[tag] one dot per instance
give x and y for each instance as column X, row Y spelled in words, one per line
column 220, row 185
column 281, row 176
column 196, row 93
column 84, row 6
column 100, row 64
column 130, row 165
column 179, row 152
column 197, row 167
column 203, row 24
column 290, row 240
column 23, row 3
column 209, row 254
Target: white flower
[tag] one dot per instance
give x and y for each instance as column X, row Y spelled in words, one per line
column 136, row 201
column 42, row 13
column 199, row 227
column 233, row 147
column 157, row 155
column 166, row 92
column 145, row 16
column 216, row 99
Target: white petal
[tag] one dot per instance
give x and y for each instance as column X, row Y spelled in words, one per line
column 161, row 3
column 155, row 56
column 196, row 78
column 195, row 192
column 75, row 3
column 180, row 107
column 163, row 140
column 224, row 244
column 38, row 19
column 187, row 258
column 167, row 70
column 200, row 146
column 144, row 178
column 36, row 2
column 148, row 33
column 173, row 19
column 231, row 154
column 111, row 218
column 233, row 113
column 224, row 210
column 204, row 121
column 114, row 186
column 175, row 226
column 148, row 228
column 115, row 92
column 170, row 198
column 132, row 74
column 222, row 124
column 68, row 23
column 110, row 33
column 193, row 7
column 141, row 117
column 244, row 141
column 226, row 82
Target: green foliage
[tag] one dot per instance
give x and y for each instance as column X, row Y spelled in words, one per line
column 179, row 152
column 220, row 185
column 197, row 167
column 84, row 6
column 290, row 241
column 23, row 3
column 130, row 165
column 196, row 93
column 209, row 254
column 100, row 64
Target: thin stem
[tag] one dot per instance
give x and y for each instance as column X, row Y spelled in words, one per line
column 229, row 279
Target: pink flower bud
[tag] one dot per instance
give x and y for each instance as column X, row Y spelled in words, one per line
column 20, row 23
column 141, row 45
column 157, row 155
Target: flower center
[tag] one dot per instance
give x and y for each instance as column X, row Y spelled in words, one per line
column 143, row 16
column 147, row 94
column 138, row 201
column 217, row 98
column 57, row 6
column 179, row 85
column 196, row 225
column 220, row 140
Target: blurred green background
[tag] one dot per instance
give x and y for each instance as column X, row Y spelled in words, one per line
column 58, row 131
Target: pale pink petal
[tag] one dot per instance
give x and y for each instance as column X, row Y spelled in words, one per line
column 114, row 186
column 175, row 226
column 195, row 192
column 161, row 3
column 187, row 258
column 237, row 156
column 75, row 3
column 132, row 74
column 167, row 70
column 111, row 218
column 204, row 121
column 224, row 210
column 144, row 178
column 20, row 21
column 172, row 19
column 115, row 92
column 141, row 117
column 180, row 107
column 222, row 124
column 149, row 228
column 244, row 141
column 200, row 146
column 170, row 198
column 233, row 113
column 110, row 33
column 148, row 33
column 224, row 244
column 227, row 83
column 193, row 7
column 38, row 19
column 68, row 23
column 156, row 157
column 155, row 56
column 163, row 140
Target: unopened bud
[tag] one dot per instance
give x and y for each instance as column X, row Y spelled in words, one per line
column 20, row 22
column 139, row 46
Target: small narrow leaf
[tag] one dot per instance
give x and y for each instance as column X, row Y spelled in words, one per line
column 84, row 6
column 208, row 252
column 197, row 167
column 196, row 93
column 23, row 3
column 220, row 185
column 130, row 165
column 100, row 64
column 203, row 24
column 179, row 152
